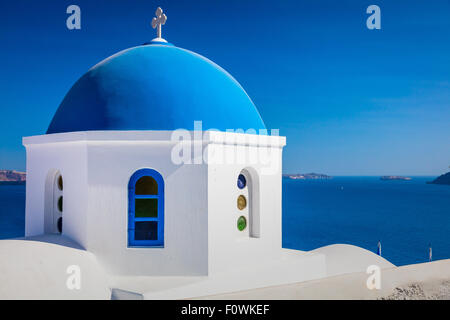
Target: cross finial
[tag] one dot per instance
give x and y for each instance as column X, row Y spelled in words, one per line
column 157, row 22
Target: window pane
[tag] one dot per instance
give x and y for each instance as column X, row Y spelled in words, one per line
column 146, row 230
column 59, row 224
column 146, row 208
column 60, row 204
column 60, row 183
column 146, row 185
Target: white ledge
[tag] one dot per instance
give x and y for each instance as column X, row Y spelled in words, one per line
column 149, row 136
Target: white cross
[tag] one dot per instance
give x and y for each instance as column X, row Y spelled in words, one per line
column 157, row 22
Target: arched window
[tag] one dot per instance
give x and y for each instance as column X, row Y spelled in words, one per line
column 146, row 209
column 248, row 202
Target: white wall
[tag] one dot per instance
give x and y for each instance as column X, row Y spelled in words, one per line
column 111, row 165
column 96, row 168
column 201, row 235
column 230, row 248
column 69, row 158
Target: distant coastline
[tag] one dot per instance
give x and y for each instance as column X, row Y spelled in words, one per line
column 307, row 176
column 12, row 177
column 395, row 178
column 442, row 179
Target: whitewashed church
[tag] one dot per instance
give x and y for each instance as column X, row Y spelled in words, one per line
column 118, row 192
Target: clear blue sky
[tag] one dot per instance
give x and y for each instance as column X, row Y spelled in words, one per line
column 351, row 101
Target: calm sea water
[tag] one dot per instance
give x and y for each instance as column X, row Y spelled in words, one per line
column 12, row 211
column 405, row 215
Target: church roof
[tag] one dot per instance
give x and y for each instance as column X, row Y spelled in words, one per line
column 156, row 86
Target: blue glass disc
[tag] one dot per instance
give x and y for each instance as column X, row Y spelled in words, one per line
column 242, row 182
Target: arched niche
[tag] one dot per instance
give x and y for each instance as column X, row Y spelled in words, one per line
column 54, row 202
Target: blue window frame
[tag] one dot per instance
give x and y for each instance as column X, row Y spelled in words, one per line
column 146, row 209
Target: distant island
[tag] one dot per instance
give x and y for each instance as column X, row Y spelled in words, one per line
column 394, row 178
column 442, row 179
column 12, row 177
column 307, row 176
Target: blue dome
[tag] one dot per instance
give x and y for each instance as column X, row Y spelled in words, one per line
column 155, row 87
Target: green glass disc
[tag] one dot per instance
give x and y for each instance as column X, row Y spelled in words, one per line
column 241, row 223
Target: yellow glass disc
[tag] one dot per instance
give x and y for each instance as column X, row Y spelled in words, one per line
column 241, row 202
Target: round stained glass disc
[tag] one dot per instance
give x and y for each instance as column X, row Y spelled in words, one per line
column 241, row 202
column 241, row 182
column 241, row 223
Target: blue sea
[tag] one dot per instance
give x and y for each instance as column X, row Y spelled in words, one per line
column 406, row 216
column 12, row 211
